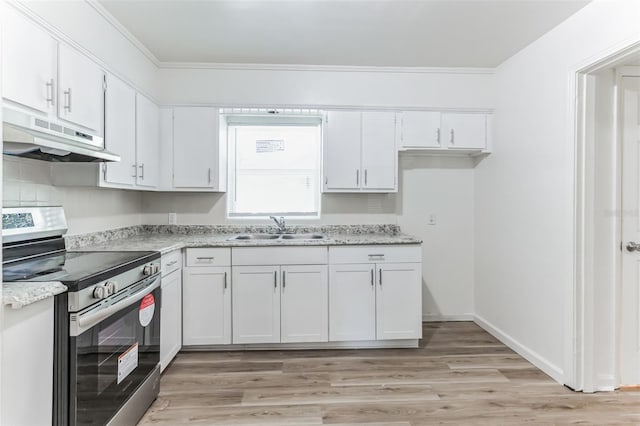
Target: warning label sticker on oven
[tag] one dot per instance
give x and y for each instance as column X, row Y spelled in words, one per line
column 147, row 308
column 127, row 362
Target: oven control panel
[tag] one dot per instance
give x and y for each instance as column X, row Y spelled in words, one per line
column 111, row 286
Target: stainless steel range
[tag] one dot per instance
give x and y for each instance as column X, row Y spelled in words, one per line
column 107, row 327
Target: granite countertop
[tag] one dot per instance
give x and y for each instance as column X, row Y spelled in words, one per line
column 167, row 238
column 20, row 294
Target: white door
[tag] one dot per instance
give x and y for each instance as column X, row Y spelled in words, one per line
column 342, row 151
column 80, row 89
column 29, row 61
column 120, row 132
column 464, row 131
column 420, row 129
column 147, row 142
column 398, row 301
column 195, row 138
column 206, row 306
column 171, row 318
column 256, row 304
column 630, row 336
column 352, row 302
column 304, row 303
column 379, row 152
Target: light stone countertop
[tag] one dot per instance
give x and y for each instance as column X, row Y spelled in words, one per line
column 20, row 294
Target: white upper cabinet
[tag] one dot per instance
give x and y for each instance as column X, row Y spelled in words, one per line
column 420, row 129
column 379, row 153
column 360, row 152
column 195, row 139
column 464, row 130
column 80, row 90
column 147, row 142
column 342, row 150
column 29, row 61
column 120, row 132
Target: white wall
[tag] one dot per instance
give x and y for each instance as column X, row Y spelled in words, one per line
column 524, row 191
column 28, row 182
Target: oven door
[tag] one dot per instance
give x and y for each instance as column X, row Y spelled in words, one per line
column 114, row 345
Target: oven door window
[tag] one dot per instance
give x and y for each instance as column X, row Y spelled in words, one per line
column 113, row 358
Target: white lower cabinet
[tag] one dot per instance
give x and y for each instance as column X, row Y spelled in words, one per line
column 352, row 303
column 256, row 304
column 206, row 306
column 304, row 304
column 170, row 318
column 398, row 301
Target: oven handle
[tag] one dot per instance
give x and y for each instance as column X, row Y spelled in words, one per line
column 85, row 322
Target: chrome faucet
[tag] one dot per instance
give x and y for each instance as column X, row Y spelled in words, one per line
column 282, row 228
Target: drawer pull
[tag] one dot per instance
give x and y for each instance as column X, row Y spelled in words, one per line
column 205, row 258
column 172, row 263
column 377, row 255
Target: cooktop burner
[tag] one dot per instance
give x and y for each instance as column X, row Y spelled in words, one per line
column 73, row 268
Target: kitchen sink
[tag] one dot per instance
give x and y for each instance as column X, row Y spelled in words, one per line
column 250, row 237
column 303, row 237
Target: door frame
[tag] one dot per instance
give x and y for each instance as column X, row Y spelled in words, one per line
column 583, row 346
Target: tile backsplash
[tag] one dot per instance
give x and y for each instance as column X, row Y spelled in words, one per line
column 88, row 208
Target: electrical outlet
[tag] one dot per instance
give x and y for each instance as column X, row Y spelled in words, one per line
column 173, row 218
column 432, row 219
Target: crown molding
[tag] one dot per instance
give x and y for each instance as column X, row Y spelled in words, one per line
column 323, row 68
column 124, row 31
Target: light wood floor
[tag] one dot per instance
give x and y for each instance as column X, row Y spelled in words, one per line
column 460, row 375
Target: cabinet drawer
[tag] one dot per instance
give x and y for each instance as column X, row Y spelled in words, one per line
column 208, row 257
column 280, row 256
column 171, row 262
column 375, row 254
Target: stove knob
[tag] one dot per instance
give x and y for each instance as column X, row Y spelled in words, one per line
column 99, row 292
column 156, row 268
column 148, row 270
column 111, row 286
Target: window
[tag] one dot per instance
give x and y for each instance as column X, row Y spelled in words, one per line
column 274, row 166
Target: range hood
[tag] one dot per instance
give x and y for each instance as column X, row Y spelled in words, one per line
column 24, row 135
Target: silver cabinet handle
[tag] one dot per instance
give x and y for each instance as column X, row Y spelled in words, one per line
column 209, row 175
column 225, row 280
column 379, row 256
column 365, row 177
column 50, row 92
column 452, row 136
column 631, row 246
column 205, row 257
column 380, row 277
column 141, row 167
column 283, row 280
column 67, row 93
column 275, row 279
column 371, row 277
column 357, row 177
column 438, row 135
column 172, row 263
column 135, row 170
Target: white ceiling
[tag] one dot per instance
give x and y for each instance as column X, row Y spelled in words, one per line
column 401, row 33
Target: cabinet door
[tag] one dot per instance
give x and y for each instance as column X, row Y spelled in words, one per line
column 171, row 318
column 304, row 303
column 256, row 304
column 464, row 131
column 420, row 129
column 398, row 301
column 147, row 142
column 352, row 302
column 80, row 90
column 195, row 139
column 342, row 151
column 379, row 153
column 29, row 61
column 206, row 306
column 120, row 132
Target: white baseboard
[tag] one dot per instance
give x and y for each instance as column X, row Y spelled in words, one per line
column 440, row 318
column 533, row 357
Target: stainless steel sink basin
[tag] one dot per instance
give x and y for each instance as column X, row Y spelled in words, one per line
column 303, row 236
column 255, row 237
